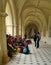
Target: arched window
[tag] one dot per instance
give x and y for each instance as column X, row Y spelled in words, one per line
column 10, row 21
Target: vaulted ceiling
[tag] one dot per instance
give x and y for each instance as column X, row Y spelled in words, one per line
column 37, row 12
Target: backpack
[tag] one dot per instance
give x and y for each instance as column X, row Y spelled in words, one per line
column 25, row 50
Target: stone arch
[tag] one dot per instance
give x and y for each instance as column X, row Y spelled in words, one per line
column 13, row 16
column 35, row 21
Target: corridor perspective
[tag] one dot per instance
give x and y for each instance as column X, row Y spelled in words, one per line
column 20, row 20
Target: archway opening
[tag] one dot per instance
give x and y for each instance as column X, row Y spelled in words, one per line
column 31, row 29
column 10, row 20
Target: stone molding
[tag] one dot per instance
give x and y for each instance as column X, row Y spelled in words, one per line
column 3, row 14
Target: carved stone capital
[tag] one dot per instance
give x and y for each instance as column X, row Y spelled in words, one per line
column 3, row 14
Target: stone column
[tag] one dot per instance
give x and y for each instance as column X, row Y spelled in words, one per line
column 3, row 44
column 17, row 26
column 20, row 26
column 0, row 54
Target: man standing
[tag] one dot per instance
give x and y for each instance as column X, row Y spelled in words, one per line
column 37, row 38
column 25, row 35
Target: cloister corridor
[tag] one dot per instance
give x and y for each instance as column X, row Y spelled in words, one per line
column 21, row 20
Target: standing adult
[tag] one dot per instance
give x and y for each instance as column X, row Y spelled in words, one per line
column 37, row 38
column 25, row 35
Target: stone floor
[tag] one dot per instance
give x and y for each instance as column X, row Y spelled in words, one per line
column 40, row 56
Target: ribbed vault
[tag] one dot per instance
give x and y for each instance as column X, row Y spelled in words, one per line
column 38, row 12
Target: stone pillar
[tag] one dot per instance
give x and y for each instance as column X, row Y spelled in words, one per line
column 0, row 54
column 17, row 27
column 20, row 32
column 3, row 44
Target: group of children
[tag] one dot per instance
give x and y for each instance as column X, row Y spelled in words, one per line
column 17, row 44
